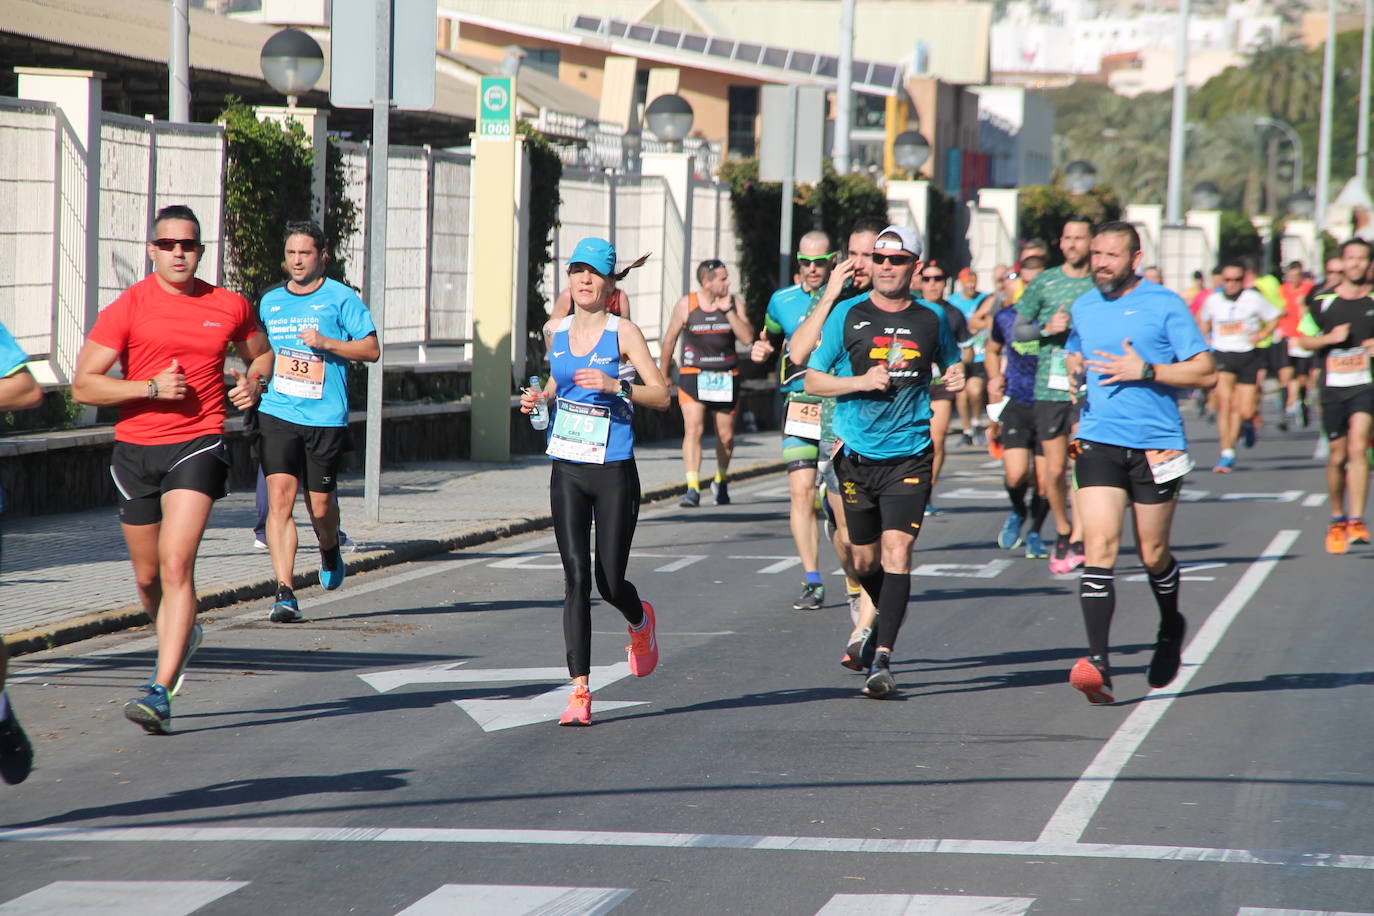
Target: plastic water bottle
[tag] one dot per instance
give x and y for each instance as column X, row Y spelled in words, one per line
column 539, row 417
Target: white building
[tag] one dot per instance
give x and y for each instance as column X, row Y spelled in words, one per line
column 1016, row 130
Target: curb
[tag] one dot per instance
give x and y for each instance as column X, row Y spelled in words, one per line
column 29, row 641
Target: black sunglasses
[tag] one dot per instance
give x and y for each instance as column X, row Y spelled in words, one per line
column 171, row 244
column 931, row 278
column 896, row 260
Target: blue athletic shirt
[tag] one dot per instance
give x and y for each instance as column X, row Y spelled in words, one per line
column 1018, row 365
column 978, row 339
column 605, row 356
column 333, row 310
column 1157, row 322
column 12, row 356
column 787, row 309
column 856, row 336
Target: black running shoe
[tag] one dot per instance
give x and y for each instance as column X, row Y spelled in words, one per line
column 284, row 608
column 153, row 712
column 16, row 753
column 810, row 599
column 880, row 683
column 691, row 499
column 1168, row 649
column 722, row 488
column 858, row 655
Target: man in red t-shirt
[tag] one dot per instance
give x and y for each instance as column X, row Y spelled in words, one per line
column 170, row 334
column 1295, row 365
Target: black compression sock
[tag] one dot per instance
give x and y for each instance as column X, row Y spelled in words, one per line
column 1017, row 495
column 1097, row 598
column 892, row 607
column 873, row 584
column 1040, row 507
column 1165, row 586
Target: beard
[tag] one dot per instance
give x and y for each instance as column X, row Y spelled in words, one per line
column 1111, row 284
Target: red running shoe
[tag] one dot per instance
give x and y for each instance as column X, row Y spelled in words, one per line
column 579, row 711
column 643, row 647
column 1090, row 677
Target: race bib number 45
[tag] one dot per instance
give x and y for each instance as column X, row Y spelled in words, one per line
column 803, row 420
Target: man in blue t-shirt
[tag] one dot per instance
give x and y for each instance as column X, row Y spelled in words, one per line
column 18, row 389
column 876, row 356
column 1140, row 347
column 315, row 326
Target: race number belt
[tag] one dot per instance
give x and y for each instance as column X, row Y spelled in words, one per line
column 1168, row 464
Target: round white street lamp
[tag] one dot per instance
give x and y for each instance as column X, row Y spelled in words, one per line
column 669, row 118
column 1080, row 176
column 1206, row 196
column 910, row 151
column 292, row 62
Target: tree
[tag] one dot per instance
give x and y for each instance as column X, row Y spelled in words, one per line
column 1046, row 207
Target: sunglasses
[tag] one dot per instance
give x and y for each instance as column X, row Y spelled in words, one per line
column 896, row 260
column 1239, row 279
column 171, row 244
column 934, row 278
column 806, row 260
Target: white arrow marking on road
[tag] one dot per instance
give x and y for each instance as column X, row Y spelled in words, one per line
column 529, row 561
column 1193, row 496
column 989, row 570
column 783, row 564
column 1314, row 499
column 383, row 681
column 1283, row 496
column 517, row 900
column 1184, row 569
column 497, row 715
column 972, row 493
column 679, row 561
column 924, row 905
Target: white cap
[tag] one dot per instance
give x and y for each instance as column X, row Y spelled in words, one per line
column 906, row 240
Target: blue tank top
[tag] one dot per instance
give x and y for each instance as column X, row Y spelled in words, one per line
column 597, row 427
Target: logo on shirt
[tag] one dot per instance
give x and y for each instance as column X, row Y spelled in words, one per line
column 600, row 360
column 318, row 307
column 212, row 324
column 557, row 353
column 861, row 325
column 275, row 308
column 1130, row 311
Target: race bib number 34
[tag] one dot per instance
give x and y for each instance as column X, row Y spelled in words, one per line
column 299, row 373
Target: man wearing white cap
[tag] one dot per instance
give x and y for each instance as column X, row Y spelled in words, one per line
column 876, row 355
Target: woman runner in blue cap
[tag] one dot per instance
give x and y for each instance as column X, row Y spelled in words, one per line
column 591, row 441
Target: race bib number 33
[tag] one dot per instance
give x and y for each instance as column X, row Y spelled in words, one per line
column 299, row 373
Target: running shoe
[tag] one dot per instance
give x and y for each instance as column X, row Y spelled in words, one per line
column 259, row 544
column 1090, row 676
column 1247, row 433
column 1306, row 413
column 1356, row 531
column 1010, row 536
column 880, row 683
column 691, row 499
column 643, row 647
column 579, row 711
column 1323, row 449
column 1076, row 555
column 153, row 712
column 966, row 438
column 1059, row 556
column 1168, row 651
column 995, row 449
column 332, row 569
column 854, row 599
column 1224, row 464
column 932, row 509
column 1337, row 537
column 347, row 543
column 197, row 637
column 1035, row 547
column 810, row 599
column 285, row 609
column 858, row 655
column 722, row 490
column 16, row 753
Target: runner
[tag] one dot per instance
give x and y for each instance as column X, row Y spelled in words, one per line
column 1342, row 334
column 170, row 333
column 710, row 323
column 18, row 391
column 1011, row 376
column 932, row 279
column 1295, row 363
column 801, row 431
column 315, row 326
column 972, row 401
column 591, row 441
column 875, row 357
column 1140, row 346
column 1044, row 318
column 1234, row 320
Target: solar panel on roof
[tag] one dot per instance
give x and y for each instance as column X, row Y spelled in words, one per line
column 616, row 27
column 669, row 37
column 827, row 66
column 884, row 75
column 590, row 23
column 719, row 47
column 748, row 53
column 692, row 42
column 774, row 57
column 802, row 61
column 640, row 33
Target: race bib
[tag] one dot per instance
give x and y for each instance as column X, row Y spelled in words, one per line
column 1231, row 334
column 580, row 432
column 1295, row 350
column 995, row 409
column 1168, row 464
column 1059, row 370
column 299, row 373
column 1347, row 368
column 715, row 386
column 803, row 419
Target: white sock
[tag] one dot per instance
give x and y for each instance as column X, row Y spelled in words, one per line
column 4, row 706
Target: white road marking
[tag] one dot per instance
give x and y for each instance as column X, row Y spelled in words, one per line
column 499, row 715
column 1193, row 496
column 517, row 900
column 1265, row 911
column 1314, row 499
column 924, row 905
column 1080, row 805
column 1184, row 570
column 678, row 561
column 782, row 565
column 613, row 839
column 529, row 561
column 989, row 570
column 121, row 898
column 973, row 493
column 1282, row 496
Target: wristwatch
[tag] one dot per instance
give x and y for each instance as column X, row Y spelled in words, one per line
column 625, row 388
column 1147, row 372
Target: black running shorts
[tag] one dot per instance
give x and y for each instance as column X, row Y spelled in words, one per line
column 883, row 495
column 1101, row 465
column 142, row 473
column 1018, row 426
column 1053, row 419
column 1336, row 414
column 314, row 452
column 687, row 394
column 1244, row 366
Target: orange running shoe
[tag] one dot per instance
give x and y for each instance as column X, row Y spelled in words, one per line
column 643, row 647
column 1089, row 675
column 579, row 711
column 1358, row 533
column 995, row 449
column 1337, row 539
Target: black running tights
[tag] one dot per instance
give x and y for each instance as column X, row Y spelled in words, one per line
column 609, row 494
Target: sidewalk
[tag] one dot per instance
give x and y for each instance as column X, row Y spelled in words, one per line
column 67, row 577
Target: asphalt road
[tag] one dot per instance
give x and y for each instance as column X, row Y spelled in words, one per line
column 396, row 754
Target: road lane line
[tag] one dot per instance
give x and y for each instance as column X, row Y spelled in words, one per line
column 517, row 900
column 122, row 898
column 1080, row 805
column 514, row 836
column 924, row 905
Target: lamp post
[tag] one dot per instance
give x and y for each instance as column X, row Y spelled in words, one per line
column 1206, row 196
column 669, row 118
column 1302, row 204
column 1287, row 130
column 1080, row 176
column 292, row 62
column 910, row 151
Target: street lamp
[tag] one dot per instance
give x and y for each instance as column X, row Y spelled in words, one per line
column 292, row 62
column 1206, row 196
column 1080, row 176
column 1287, row 130
column 1302, row 204
column 910, row 151
column 669, row 118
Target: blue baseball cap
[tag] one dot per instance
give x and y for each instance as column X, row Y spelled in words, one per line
column 598, row 254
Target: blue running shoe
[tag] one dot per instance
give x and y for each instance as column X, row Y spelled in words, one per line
column 1247, row 432
column 332, row 569
column 153, row 712
column 932, row 509
column 1225, row 463
column 1010, row 538
column 1035, row 547
column 197, row 637
column 284, row 609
